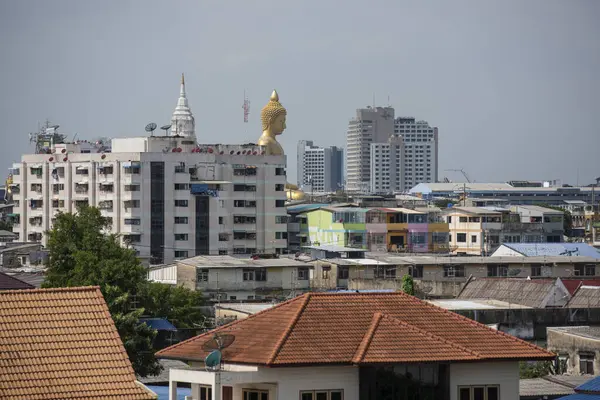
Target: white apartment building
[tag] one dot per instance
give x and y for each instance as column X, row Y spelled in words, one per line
column 166, row 196
column 371, row 126
column 387, row 161
column 319, row 169
column 420, row 151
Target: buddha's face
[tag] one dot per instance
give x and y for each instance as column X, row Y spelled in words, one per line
column 278, row 125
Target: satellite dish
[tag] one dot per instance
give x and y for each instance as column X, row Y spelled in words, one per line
column 218, row 342
column 165, row 127
column 213, row 360
column 150, row 127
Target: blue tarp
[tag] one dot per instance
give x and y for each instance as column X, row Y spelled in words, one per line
column 592, row 389
column 159, row 324
column 163, row 392
column 581, row 396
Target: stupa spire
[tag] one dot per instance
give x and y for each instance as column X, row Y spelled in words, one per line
column 182, row 122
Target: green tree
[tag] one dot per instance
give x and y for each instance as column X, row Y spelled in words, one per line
column 179, row 305
column 408, row 285
column 443, row 203
column 5, row 225
column 82, row 254
column 538, row 369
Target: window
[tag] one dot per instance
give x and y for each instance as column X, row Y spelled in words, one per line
column 132, row 221
column 385, row 272
column 223, row 237
column 182, row 186
column 473, row 238
column 279, row 203
column 474, row 219
column 181, row 203
column 181, row 236
column 325, row 272
column 279, row 187
column 463, row 219
column 281, row 219
column 497, row 270
column 248, row 274
column 303, row 273
column 337, row 394
column 281, row 235
column 181, row 254
column 461, row 237
column 416, row 271
column 179, row 169
column 488, row 392
column 132, row 188
column 343, row 272
column 254, row 394
column 260, row 274
column 280, row 171
column 181, row 220
column 536, row 270
column 202, row 275
column 454, row 271
column 585, row 270
column 586, row 363
column 221, row 220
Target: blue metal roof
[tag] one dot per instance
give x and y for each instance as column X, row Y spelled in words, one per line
column 554, row 249
column 592, row 385
column 160, row 324
column 581, row 396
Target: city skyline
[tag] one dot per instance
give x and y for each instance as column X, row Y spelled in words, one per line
column 494, row 92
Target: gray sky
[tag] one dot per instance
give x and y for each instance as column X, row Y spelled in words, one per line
column 512, row 85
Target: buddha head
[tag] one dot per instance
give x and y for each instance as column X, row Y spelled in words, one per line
column 273, row 116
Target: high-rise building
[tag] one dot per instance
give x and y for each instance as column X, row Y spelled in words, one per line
column 376, row 161
column 371, row 125
column 166, row 196
column 320, row 169
column 420, row 151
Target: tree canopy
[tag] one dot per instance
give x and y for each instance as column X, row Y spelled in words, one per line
column 81, row 253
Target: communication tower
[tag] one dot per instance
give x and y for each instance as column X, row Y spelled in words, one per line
column 246, row 107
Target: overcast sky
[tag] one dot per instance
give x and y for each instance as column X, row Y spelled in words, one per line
column 512, row 85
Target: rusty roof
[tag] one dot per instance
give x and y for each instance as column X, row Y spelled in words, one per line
column 530, row 293
column 358, row 328
column 62, row 344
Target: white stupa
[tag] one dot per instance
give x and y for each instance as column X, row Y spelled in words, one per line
column 182, row 121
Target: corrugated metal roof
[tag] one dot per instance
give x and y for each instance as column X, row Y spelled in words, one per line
column 554, row 249
column 592, row 332
column 466, row 260
column 542, row 387
column 585, row 297
column 581, row 396
column 531, row 293
column 590, row 386
column 233, row 262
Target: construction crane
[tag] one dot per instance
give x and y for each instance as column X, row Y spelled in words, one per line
column 462, row 171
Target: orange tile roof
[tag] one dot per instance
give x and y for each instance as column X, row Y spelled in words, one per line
column 358, row 328
column 62, row 344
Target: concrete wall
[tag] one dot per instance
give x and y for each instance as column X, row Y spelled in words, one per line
column 564, row 343
column 504, row 374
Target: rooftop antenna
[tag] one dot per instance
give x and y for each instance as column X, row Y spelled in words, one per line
column 246, row 107
column 151, row 127
column 166, row 129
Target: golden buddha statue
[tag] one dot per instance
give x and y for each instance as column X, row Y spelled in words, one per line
column 273, row 123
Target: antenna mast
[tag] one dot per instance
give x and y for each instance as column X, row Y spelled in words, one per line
column 246, row 107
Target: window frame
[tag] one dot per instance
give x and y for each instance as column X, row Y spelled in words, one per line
column 472, row 387
column 314, row 392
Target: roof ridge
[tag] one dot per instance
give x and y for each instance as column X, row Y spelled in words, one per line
column 363, row 346
column 288, row 330
column 434, row 336
column 496, row 331
column 57, row 289
column 226, row 326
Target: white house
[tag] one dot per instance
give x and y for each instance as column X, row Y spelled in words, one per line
column 351, row 346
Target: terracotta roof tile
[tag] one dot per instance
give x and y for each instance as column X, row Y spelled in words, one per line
column 330, row 328
column 62, row 344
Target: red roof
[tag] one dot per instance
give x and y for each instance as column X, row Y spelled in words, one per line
column 358, row 328
column 62, row 344
column 573, row 284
